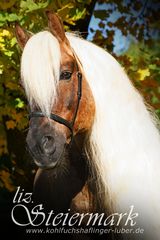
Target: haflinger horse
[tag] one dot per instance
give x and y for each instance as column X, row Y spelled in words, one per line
column 96, row 143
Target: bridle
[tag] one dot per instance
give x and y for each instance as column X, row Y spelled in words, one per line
column 59, row 119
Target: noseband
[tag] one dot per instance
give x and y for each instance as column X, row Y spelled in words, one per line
column 59, row 119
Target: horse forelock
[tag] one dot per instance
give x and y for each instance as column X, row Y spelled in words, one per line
column 40, row 66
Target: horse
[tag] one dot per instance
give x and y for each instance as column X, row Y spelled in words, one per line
column 91, row 134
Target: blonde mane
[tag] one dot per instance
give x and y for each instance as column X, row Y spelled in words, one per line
column 124, row 142
column 124, row 145
column 40, row 66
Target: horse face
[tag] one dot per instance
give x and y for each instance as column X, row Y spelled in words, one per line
column 47, row 139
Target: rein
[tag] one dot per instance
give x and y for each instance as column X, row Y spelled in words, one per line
column 59, row 119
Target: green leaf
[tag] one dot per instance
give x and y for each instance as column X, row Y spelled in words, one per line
column 65, row 10
column 157, row 111
column 13, row 41
column 2, row 18
column 153, row 66
column 9, row 53
column 30, row 5
column 155, row 100
column 12, row 17
column 19, row 103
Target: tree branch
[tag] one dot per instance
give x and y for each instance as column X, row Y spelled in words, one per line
column 143, row 9
column 82, row 24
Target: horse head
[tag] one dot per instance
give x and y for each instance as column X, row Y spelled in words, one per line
column 69, row 112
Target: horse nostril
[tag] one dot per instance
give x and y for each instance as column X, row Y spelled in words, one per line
column 48, row 144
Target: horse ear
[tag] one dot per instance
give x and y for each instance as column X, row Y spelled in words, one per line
column 56, row 26
column 21, row 35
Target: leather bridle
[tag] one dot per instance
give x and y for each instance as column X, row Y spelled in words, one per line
column 59, row 119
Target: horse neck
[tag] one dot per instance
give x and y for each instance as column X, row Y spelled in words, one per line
column 91, row 193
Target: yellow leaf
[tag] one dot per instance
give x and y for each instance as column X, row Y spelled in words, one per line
column 5, row 176
column 11, row 85
column 2, row 46
column 10, row 124
column 1, row 69
column 5, row 33
column 1, row 38
column 6, row 4
column 18, row 117
column 143, row 73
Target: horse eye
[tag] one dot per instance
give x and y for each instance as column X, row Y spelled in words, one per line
column 66, row 75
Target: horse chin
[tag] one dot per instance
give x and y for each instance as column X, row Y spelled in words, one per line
column 46, row 166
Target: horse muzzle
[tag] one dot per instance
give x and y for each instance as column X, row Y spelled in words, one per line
column 46, row 148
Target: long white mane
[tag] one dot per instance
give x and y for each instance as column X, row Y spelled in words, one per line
column 40, row 66
column 124, row 141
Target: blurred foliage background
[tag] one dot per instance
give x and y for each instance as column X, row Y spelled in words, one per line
column 137, row 19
